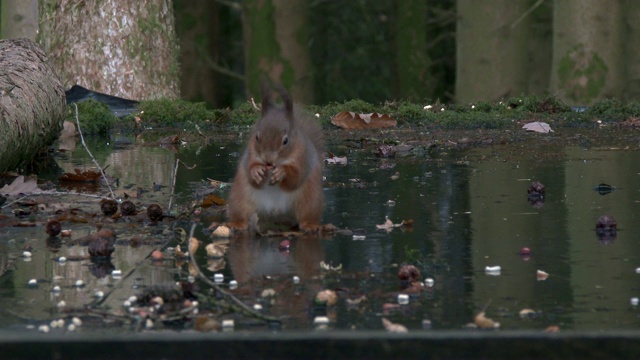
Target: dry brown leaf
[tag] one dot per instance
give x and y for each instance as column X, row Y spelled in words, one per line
column 222, row 231
column 484, row 322
column 81, row 176
column 354, row 121
column 538, row 126
column 215, row 250
column 211, row 200
column 21, row 186
column 393, row 327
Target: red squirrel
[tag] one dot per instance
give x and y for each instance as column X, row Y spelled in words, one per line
column 279, row 177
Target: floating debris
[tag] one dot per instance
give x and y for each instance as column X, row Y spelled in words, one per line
column 493, row 270
column 403, row 299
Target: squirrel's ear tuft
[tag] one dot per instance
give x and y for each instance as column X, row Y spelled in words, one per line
column 288, row 103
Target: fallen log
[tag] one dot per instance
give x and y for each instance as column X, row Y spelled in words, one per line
column 32, row 103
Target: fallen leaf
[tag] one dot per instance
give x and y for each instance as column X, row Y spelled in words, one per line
column 336, row 160
column 211, row 200
column 552, row 329
column 538, row 126
column 542, row 275
column 193, row 245
column 393, row 327
column 20, row 186
column 81, row 176
column 484, row 322
column 354, row 121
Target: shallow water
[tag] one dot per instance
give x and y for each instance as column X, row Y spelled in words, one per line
column 470, row 211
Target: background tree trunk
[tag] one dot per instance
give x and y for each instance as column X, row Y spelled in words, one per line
column 19, row 19
column 588, row 50
column 491, row 51
column 413, row 80
column 539, row 51
column 121, row 48
column 276, row 44
column 32, row 103
column 197, row 26
column 631, row 9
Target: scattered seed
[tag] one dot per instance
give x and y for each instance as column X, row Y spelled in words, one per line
column 218, row 278
column 257, row 307
column 320, row 320
column 233, row 284
column 62, row 259
column 403, row 299
column 56, row 289
column 634, row 301
column 33, row 282
column 43, row 328
column 429, row 282
column 296, row 280
column 79, row 283
column 26, row 254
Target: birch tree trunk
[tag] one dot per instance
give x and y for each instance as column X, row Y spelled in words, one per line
column 121, row 48
column 491, row 49
column 588, row 50
column 276, row 40
column 32, row 103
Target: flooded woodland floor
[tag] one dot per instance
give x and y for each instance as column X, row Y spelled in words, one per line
column 477, row 244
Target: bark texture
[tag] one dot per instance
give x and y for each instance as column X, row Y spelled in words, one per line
column 19, row 19
column 491, row 51
column 276, row 45
column 32, row 103
column 588, row 50
column 121, row 48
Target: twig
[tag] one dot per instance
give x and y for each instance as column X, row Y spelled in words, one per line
column 175, row 175
column 91, row 155
column 526, row 13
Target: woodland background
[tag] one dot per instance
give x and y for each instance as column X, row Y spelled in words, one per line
column 334, row 50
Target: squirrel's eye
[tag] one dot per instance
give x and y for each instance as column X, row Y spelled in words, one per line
column 285, row 141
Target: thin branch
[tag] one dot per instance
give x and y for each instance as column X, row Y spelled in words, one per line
column 175, row 175
column 222, row 70
column 91, row 155
column 526, row 13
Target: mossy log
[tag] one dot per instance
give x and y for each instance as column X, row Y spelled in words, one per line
column 32, row 103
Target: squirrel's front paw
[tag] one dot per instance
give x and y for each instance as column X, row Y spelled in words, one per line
column 258, row 173
column 277, row 175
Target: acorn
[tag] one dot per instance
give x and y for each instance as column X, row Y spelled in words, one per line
column 53, row 228
column 101, row 247
column 154, row 212
column 127, row 208
column 606, row 222
column 109, row 207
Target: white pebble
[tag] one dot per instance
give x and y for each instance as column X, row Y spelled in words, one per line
column 228, row 324
column 148, row 324
column 191, row 279
column 296, row 280
column 43, row 328
column 638, row 270
column 133, row 299
column 116, row 274
column 126, row 303
column 62, row 259
column 56, row 289
column 218, row 278
column 26, row 254
column 32, row 282
column 56, row 323
column 429, row 282
column 71, row 327
column 233, row 284
column 79, row 283
column 257, row 307
column 634, row 301
column 320, row 320
column 98, row 294
column 359, row 237
column 403, row 299
column 76, row 321
column 62, row 304
column 493, row 270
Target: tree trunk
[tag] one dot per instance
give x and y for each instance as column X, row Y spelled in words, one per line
column 277, row 45
column 120, row 48
column 197, row 28
column 19, row 19
column 491, row 49
column 413, row 80
column 588, row 50
column 540, row 47
column 32, row 103
column 631, row 10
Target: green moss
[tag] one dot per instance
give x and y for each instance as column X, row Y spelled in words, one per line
column 94, row 117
